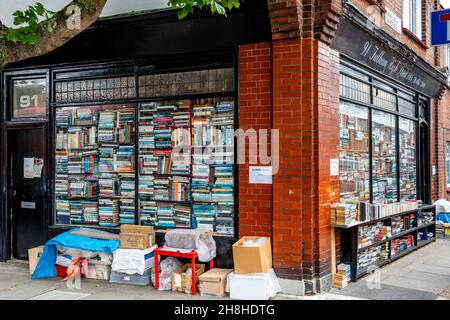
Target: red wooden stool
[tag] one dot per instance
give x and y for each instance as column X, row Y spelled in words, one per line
column 193, row 255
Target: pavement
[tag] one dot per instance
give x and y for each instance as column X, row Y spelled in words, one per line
column 422, row 275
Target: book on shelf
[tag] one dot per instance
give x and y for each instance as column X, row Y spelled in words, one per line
column 148, row 164
column 90, row 162
column 223, row 114
column 165, row 214
column 182, row 216
column 90, row 211
column 149, row 212
column 179, row 188
column 224, row 218
column 106, row 127
column 204, row 216
column 108, row 210
column 181, row 119
column 106, row 160
column 108, row 185
column 147, row 186
column 161, row 186
column 127, row 185
column 127, row 211
column 124, row 159
column 62, row 185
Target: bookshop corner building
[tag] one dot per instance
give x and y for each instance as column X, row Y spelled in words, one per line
column 359, row 111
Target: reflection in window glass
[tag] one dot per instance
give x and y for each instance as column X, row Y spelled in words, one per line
column 354, row 155
column 384, row 158
column 407, row 145
column 29, row 98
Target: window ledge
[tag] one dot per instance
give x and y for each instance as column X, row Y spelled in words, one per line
column 415, row 38
column 379, row 5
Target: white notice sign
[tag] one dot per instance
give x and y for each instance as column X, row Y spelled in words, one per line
column 262, row 175
column 334, row 167
column 393, row 21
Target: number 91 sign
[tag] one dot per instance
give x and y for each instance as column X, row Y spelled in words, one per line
column 29, row 98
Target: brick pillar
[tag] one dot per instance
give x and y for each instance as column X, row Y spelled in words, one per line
column 306, row 111
column 255, row 112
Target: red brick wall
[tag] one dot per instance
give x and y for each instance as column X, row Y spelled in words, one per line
column 255, row 112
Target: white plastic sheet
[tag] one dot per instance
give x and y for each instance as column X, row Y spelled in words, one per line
column 255, row 286
column 132, row 261
column 189, row 239
column 442, row 205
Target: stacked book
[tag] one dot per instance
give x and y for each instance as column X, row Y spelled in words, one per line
column 163, row 130
column 146, row 138
column 182, row 216
column 181, row 119
column 200, row 182
column 149, row 213
column 165, row 213
column 124, row 159
column 127, row 185
column 146, row 111
column 125, row 130
column 148, row 164
column 342, row 276
column 127, row 214
column 62, row 117
column 75, row 162
column 106, row 127
column 164, row 163
column 62, row 185
column 204, row 216
column 203, row 110
column 107, row 185
column 222, row 190
column 161, row 186
column 108, row 210
column 106, row 161
column 76, row 212
column 343, row 213
column 224, row 218
column 63, row 211
column 90, row 211
column 146, row 186
column 223, row 114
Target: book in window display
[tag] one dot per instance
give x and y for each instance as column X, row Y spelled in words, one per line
column 384, row 163
column 407, row 165
column 354, row 152
column 94, row 164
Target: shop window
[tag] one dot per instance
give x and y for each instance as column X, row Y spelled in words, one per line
column 412, row 17
column 90, row 90
column 354, row 89
column 384, row 158
column 407, row 159
column 168, row 162
column 183, row 83
column 29, row 98
column 354, row 152
column 447, row 161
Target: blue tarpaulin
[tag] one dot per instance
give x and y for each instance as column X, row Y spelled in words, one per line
column 46, row 265
column 443, row 216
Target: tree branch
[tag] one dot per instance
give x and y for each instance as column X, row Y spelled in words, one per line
column 48, row 40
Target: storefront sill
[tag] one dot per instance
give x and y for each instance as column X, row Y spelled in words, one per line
column 415, row 38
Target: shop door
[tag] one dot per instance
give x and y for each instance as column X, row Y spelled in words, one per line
column 26, row 189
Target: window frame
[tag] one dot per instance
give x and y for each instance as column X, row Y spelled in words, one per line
column 412, row 17
column 360, row 74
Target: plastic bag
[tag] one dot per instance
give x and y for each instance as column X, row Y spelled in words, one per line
column 166, row 268
column 194, row 239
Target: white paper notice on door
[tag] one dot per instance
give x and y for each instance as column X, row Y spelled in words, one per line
column 32, row 167
column 28, row 168
column 261, row 175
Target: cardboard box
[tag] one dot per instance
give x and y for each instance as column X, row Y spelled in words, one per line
column 252, row 259
column 214, row 281
column 33, row 257
column 136, row 237
column 183, row 282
